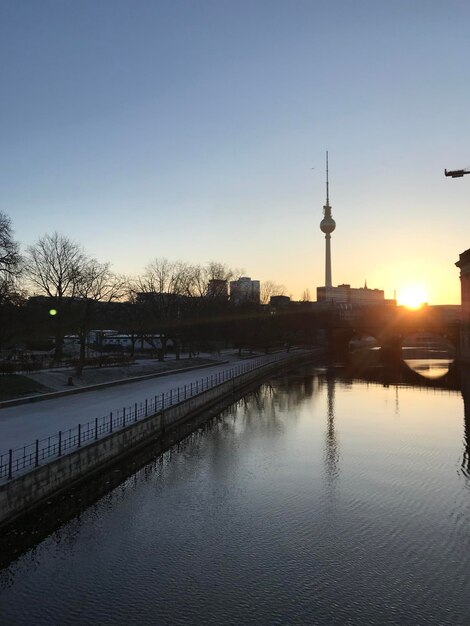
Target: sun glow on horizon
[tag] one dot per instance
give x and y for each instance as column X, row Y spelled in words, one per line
column 412, row 296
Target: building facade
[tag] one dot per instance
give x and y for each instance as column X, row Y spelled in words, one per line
column 345, row 294
column 217, row 288
column 244, row 290
column 464, row 265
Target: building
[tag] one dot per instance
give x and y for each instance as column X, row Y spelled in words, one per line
column 464, row 265
column 345, row 294
column 245, row 290
column 217, row 288
column 446, row 314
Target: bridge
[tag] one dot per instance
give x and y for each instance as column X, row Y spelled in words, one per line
column 389, row 326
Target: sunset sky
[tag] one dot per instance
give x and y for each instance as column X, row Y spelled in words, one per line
column 189, row 129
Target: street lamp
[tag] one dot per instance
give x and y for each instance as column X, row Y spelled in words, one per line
column 457, row 173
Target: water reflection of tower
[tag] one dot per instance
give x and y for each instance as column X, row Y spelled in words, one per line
column 327, row 225
column 331, row 447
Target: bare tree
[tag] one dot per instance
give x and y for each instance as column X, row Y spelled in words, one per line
column 170, row 277
column 268, row 289
column 53, row 266
column 11, row 296
column 96, row 283
column 132, row 320
column 173, row 294
column 306, row 297
column 196, row 281
column 220, row 271
column 9, row 249
column 162, row 289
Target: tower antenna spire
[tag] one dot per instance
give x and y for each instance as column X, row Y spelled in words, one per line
column 327, row 182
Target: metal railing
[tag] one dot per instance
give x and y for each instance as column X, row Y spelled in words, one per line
column 23, row 459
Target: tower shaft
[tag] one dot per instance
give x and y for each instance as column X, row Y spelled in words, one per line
column 328, row 260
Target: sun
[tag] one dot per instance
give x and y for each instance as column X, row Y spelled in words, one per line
column 413, row 296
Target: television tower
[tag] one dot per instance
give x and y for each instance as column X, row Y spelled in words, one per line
column 327, row 225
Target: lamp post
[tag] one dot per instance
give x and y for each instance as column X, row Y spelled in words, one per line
column 457, row 173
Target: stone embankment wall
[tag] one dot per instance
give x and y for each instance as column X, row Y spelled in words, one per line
column 23, row 493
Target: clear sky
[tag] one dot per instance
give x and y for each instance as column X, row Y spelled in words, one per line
column 188, row 129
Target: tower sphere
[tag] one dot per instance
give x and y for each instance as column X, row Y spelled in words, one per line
column 328, row 224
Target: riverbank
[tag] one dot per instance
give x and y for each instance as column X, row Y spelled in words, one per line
column 45, row 468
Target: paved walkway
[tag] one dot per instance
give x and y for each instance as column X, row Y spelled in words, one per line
column 22, row 425
column 56, row 379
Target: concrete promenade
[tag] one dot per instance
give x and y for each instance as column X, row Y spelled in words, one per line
column 22, row 425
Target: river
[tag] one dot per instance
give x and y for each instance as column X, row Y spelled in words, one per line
column 320, row 498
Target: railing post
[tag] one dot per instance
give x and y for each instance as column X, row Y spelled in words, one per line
column 145, row 407
column 79, row 435
column 155, row 404
column 96, row 428
column 163, row 400
column 135, row 412
column 185, row 392
column 36, row 463
column 10, row 463
column 111, row 422
column 171, row 397
column 178, row 397
column 60, row 443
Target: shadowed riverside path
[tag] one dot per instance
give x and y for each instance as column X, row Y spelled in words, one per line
column 21, row 425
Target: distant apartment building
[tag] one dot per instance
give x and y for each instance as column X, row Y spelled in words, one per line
column 464, row 265
column 245, row 290
column 345, row 294
column 217, row 288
